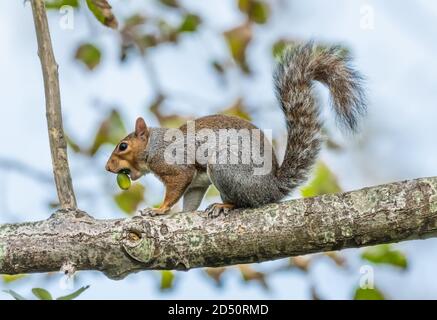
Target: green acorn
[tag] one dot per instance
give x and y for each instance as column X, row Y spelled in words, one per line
column 123, row 181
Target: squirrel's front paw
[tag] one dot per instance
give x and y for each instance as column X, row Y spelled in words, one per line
column 151, row 212
column 217, row 209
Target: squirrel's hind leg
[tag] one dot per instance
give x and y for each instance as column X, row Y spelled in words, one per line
column 240, row 187
column 193, row 197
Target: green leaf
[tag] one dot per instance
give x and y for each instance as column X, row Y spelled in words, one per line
column 385, row 254
column 133, row 21
column 57, row 4
column 190, row 23
column 289, row 44
column 14, row 294
column 324, row 182
column 167, row 121
column 111, row 131
column 167, row 279
column 368, row 294
column 11, row 278
column 102, row 10
column 279, row 47
column 89, row 55
column 42, row 294
column 256, row 10
column 170, row 3
column 238, row 109
column 73, row 295
column 129, row 200
column 72, row 144
column 238, row 40
column 212, row 192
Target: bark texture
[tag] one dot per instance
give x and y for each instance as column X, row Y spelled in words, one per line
column 58, row 144
column 71, row 238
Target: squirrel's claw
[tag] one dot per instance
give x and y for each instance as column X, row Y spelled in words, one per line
column 217, row 209
column 147, row 212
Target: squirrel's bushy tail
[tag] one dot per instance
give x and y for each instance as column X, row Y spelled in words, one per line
column 294, row 77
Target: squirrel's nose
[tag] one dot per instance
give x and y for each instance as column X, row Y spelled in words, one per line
column 107, row 167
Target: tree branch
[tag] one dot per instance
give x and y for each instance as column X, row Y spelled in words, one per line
column 383, row 214
column 58, row 145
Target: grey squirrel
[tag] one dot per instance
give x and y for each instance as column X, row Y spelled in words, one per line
column 144, row 150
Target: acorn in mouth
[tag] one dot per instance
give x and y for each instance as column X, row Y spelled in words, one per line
column 123, row 179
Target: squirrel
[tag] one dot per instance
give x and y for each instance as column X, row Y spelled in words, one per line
column 143, row 151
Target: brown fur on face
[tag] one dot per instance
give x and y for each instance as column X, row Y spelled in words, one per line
column 132, row 157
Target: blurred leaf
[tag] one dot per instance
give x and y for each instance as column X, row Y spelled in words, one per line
column 279, row 47
column 155, row 106
column 73, row 295
column 170, row 3
column 173, row 121
column 42, row 294
column 166, row 121
column 54, row 204
column 301, row 262
column 73, row 145
column 336, row 257
column 368, row 294
column 89, row 55
column 219, row 67
column 190, row 23
column 249, row 274
column 212, row 192
column 333, row 145
column 324, row 182
column 102, row 10
column 7, row 278
column 134, row 21
column 168, row 33
column 256, row 10
column 215, row 274
column 314, row 294
column 238, row 109
column 147, row 41
column 167, row 279
column 58, row 4
column 238, row 39
column 330, row 142
column 129, row 200
column 132, row 36
column 14, row 294
column 385, row 254
column 111, row 131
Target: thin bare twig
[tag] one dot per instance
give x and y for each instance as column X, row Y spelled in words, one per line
column 58, row 144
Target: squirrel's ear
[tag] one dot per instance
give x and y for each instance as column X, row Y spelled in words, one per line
column 140, row 127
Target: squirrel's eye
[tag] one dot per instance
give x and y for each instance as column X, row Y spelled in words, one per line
column 122, row 146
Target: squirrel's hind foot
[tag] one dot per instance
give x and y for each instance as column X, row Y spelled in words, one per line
column 217, row 209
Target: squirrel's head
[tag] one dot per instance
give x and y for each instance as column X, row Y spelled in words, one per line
column 129, row 155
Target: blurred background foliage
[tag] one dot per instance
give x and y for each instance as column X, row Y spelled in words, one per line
column 136, row 34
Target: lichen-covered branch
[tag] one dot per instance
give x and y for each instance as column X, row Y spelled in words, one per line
column 58, row 144
column 388, row 213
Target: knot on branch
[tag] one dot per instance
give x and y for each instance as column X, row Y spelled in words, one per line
column 137, row 240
